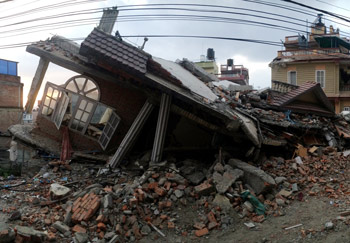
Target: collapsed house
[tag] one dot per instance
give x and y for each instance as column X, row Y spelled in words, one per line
column 124, row 92
column 126, row 99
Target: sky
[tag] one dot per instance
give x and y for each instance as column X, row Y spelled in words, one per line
column 26, row 21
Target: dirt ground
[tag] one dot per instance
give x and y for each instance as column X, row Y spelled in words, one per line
column 313, row 213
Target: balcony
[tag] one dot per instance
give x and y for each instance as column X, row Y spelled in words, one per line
column 308, row 52
column 344, row 87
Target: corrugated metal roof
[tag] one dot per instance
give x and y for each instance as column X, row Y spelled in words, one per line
column 114, row 50
column 186, row 78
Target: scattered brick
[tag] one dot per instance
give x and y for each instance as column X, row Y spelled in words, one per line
column 201, row 232
column 101, row 226
column 171, row 225
column 204, row 189
column 211, row 217
column 79, row 229
column 84, row 208
column 160, row 191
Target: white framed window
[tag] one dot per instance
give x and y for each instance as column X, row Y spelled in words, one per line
column 61, row 110
column 82, row 115
column 84, row 86
column 76, row 104
column 109, row 130
column 346, row 108
column 51, row 96
column 292, row 77
column 320, row 77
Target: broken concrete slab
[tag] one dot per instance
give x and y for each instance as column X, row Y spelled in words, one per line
column 31, row 234
column 222, row 201
column 225, row 181
column 259, row 180
column 196, row 178
column 61, row 227
column 280, row 179
column 58, row 191
column 6, row 233
column 81, row 237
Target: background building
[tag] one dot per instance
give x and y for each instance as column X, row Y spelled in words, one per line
column 11, row 95
column 208, row 62
column 322, row 57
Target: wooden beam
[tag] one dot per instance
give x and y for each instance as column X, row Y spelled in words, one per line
column 36, row 84
column 132, row 134
column 162, row 124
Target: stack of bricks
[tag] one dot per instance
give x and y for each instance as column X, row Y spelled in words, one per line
column 84, row 208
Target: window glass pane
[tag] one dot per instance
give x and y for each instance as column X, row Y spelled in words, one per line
column 93, row 94
column 45, row 110
column 49, row 111
column 49, row 92
column 98, row 114
column 47, row 101
column 85, row 117
column 52, row 104
column 3, row 67
column 82, row 104
column 71, row 86
column 89, row 86
column 56, row 94
column 89, row 107
column 74, row 100
column 12, row 68
column 293, row 77
column 79, row 114
column 80, row 82
column 80, row 127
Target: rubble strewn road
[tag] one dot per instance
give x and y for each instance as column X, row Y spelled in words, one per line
column 300, row 200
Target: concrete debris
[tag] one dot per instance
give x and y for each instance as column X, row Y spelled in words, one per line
column 28, row 234
column 225, row 181
column 81, row 237
column 58, row 191
column 61, row 227
column 329, row 225
column 6, row 233
column 259, row 180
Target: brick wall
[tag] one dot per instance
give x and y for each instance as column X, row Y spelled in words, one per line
column 45, row 127
column 9, row 117
column 126, row 102
column 11, row 91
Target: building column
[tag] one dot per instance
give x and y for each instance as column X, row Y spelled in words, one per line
column 36, row 84
column 162, row 123
column 132, row 134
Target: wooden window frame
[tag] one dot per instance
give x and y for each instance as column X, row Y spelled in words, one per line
column 61, row 108
column 42, row 105
column 109, row 128
column 77, row 108
column 289, row 77
column 322, row 84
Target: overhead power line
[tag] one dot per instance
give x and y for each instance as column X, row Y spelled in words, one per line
column 293, row 9
column 265, row 42
column 319, row 10
column 333, row 5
